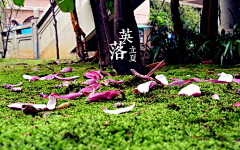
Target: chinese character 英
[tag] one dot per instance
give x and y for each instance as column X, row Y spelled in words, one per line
column 125, row 35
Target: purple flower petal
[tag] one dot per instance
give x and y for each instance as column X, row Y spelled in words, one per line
column 105, row 95
column 237, row 104
column 106, row 124
column 178, row 82
column 43, row 95
column 190, row 90
column 162, row 79
column 89, row 82
column 91, row 88
column 236, row 80
column 140, row 75
column 225, row 77
column 30, row 78
column 120, row 110
column 48, row 77
column 52, row 102
column 93, row 75
column 174, row 79
column 218, row 74
column 192, row 80
column 16, row 89
column 68, row 96
column 9, row 86
column 144, row 88
column 65, row 70
column 215, row 96
column 66, row 79
column 107, row 81
column 103, row 72
column 19, row 105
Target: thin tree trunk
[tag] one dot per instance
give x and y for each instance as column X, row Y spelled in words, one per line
column 209, row 19
column 178, row 29
column 126, row 49
column 55, row 26
column 81, row 46
column 101, row 34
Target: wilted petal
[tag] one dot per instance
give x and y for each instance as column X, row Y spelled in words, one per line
column 177, row 82
column 106, row 124
column 91, row 88
column 218, row 74
column 9, row 86
column 192, row 80
column 93, row 75
column 142, row 76
column 215, row 96
column 89, row 82
column 28, row 77
column 103, row 72
column 66, row 69
column 16, row 89
column 144, row 88
column 105, row 95
column 36, row 69
column 120, row 110
column 225, row 77
column 174, row 79
column 43, row 95
column 66, row 79
column 237, row 104
column 51, row 103
column 68, row 96
column 19, row 105
column 236, row 80
column 34, row 78
column 48, row 77
column 107, row 81
column 190, row 90
column 64, row 105
column 162, row 79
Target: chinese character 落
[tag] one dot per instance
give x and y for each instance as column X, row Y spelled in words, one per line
column 117, row 50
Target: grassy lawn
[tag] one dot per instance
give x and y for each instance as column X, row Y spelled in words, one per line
column 166, row 119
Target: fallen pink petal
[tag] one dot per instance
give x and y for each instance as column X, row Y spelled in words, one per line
column 192, row 80
column 65, row 70
column 68, row 96
column 215, row 96
column 16, row 89
column 94, row 75
column 144, row 87
column 48, row 77
column 237, row 104
column 103, row 72
column 177, row 82
column 120, row 110
column 225, row 77
column 66, row 79
column 190, row 90
column 142, row 76
column 9, row 86
column 91, row 88
column 236, row 80
column 52, row 102
column 162, row 79
column 30, row 78
column 19, row 105
column 105, row 95
column 89, row 82
column 106, row 124
column 43, row 95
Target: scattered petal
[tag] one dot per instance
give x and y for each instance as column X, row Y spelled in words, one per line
column 19, row 105
column 177, row 82
column 192, row 80
column 225, row 77
column 64, row 105
column 29, row 109
column 48, row 77
column 144, row 88
column 9, row 86
column 118, row 105
column 190, row 90
column 16, row 89
column 103, row 72
column 119, row 111
column 106, row 124
column 237, row 104
column 105, row 95
column 94, row 75
column 142, row 76
column 90, row 88
column 66, row 79
column 236, row 80
column 89, row 82
column 43, row 95
column 215, row 96
column 51, row 103
column 65, row 70
column 162, row 79
column 68, row 96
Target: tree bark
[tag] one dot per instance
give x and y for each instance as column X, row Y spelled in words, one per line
column 81, row 46
column 101, row 34
column 124, row 20
column 55, row 26
column 178, row 31
column 209, row 19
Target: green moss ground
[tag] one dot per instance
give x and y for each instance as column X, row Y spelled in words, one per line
column 166, row 120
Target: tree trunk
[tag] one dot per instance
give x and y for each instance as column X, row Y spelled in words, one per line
column 101, row 34
column 81, row 46
column 125, row 51
column 209, row 19
column 178, row 30
column 55, row 26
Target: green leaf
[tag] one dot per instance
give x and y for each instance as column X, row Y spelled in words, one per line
column 65, row 5
column 18, row 2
